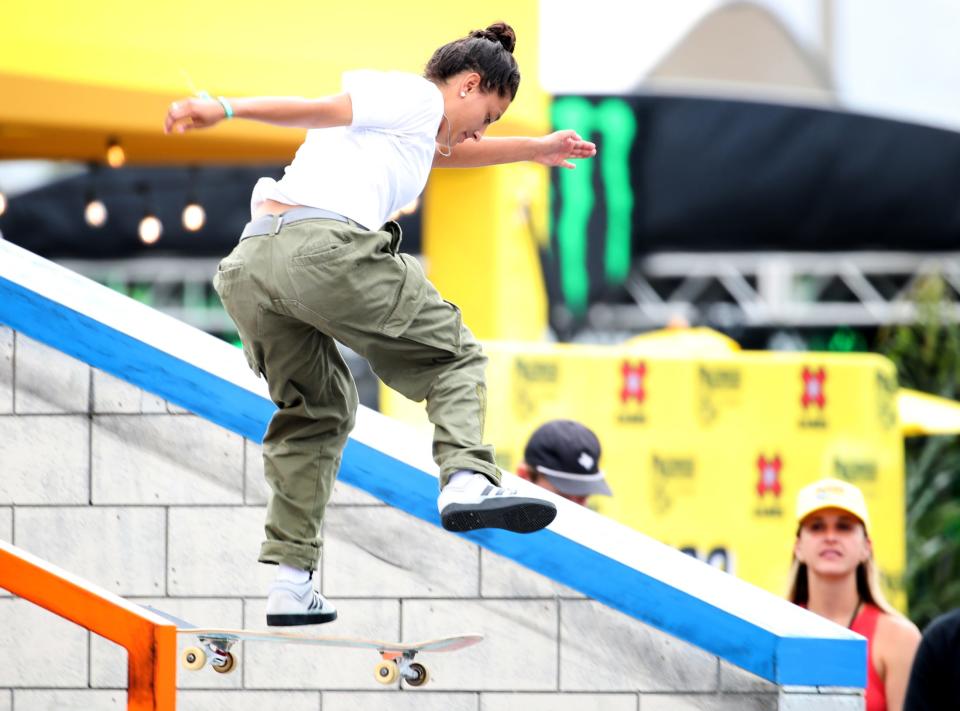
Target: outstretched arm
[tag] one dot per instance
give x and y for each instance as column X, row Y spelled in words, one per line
column 188, row 114
column 554, row 149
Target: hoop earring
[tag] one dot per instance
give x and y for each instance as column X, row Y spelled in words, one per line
column 440, row 145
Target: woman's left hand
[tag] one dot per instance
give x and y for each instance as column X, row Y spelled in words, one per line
column 557, row 148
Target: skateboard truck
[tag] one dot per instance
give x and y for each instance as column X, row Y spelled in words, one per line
column 401, row 664
column 216, row 651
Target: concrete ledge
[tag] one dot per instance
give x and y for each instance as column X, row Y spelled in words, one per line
column 596, row 556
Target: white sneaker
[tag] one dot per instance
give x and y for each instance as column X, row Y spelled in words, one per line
column 290, row 604
column 473, row 502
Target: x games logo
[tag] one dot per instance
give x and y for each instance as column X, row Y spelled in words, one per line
column 633, row 376
column 813, row 388
column 769, row 487
column 769, row 475
column 813, row 398
column 633, row 391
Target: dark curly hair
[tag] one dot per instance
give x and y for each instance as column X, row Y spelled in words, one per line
column 488, row 52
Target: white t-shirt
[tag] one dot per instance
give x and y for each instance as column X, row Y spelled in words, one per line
column 370, row 169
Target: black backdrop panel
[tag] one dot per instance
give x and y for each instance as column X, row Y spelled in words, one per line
column 724, row 175
column 680, row 174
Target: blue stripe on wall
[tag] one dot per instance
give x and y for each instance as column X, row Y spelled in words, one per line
column 115, row 352
column 786, row 661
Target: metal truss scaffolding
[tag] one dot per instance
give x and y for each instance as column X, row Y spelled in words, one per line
column 776, row 290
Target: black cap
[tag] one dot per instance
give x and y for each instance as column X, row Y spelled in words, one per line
column 568, row 454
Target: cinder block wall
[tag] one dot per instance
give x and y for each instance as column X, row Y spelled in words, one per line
column 164, row 508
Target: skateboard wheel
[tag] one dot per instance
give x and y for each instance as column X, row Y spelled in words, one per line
column 193, row 658
column 227, row 666
column 386, row 672
column 418, row 675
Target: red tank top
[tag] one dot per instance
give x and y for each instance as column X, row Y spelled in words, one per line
column 866, row 625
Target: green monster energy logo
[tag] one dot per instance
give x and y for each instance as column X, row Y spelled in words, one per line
column 616, row 123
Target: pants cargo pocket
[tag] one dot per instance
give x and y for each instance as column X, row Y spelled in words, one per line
column 409, row 299
column 343, row 276
column 232, row 284
column 229, row 273
column 420, row 314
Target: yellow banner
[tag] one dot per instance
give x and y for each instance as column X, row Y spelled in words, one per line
column 708, row 453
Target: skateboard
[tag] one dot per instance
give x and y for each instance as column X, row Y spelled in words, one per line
column 396, row 658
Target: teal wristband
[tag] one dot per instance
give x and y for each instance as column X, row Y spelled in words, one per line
column 227, row 108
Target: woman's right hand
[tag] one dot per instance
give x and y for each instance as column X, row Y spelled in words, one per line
column 188, row 114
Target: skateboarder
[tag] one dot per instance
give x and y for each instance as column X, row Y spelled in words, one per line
column 313, row 266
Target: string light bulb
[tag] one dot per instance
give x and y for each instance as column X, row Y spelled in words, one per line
column 194, row 216
column 150, row 229
column 116, row 156
column 95, row 213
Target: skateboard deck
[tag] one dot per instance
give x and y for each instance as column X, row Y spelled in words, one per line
column 396, row 658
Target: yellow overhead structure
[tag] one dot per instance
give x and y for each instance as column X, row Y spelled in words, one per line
column 75, row 75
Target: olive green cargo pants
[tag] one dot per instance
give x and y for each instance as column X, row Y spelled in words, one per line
column 291, row 294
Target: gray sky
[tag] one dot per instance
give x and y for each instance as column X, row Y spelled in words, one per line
column 895, row 58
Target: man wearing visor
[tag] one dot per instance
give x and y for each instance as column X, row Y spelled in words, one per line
column 563, row 456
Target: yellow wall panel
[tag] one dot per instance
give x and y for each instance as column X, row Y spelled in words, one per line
column 480, row 239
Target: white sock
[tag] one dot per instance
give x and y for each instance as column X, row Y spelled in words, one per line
column 460, row 477
column 289, row 574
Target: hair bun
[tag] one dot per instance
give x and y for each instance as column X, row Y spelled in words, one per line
column 499, row 32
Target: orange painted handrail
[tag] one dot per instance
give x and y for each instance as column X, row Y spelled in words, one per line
column 150, row 640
